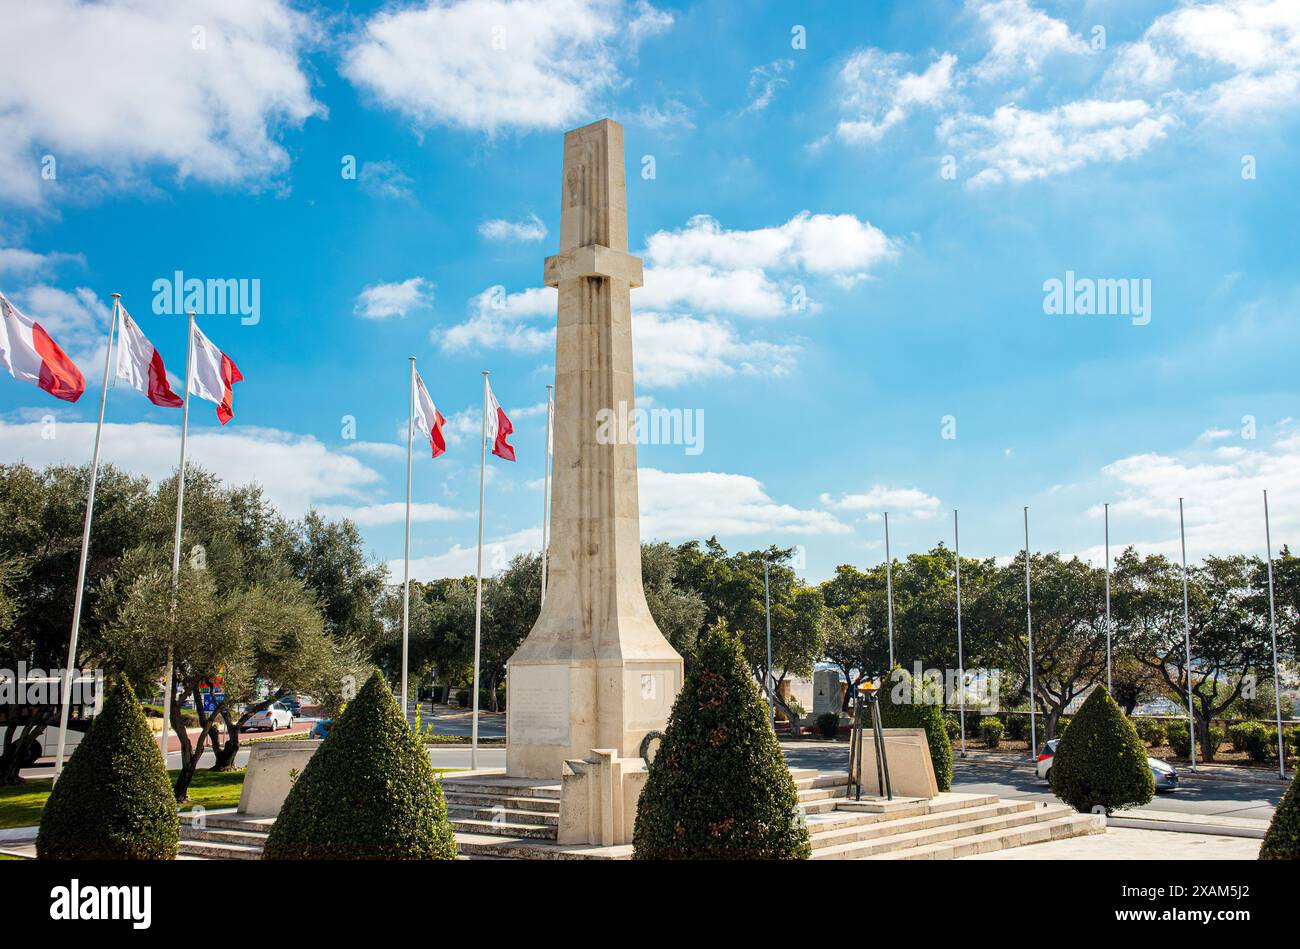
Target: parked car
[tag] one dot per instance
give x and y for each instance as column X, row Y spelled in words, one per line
column 322, row 727
column 274, row 717
column 291, row 703
column 1165, row 776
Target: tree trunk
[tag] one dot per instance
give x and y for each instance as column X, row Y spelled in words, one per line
column 15, row 750
column 224, row 752
column 1053, row 719
column 1203, row 737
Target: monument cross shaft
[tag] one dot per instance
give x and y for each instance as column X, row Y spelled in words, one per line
column 595, row 672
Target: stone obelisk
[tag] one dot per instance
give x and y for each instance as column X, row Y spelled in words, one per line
column 595, row 672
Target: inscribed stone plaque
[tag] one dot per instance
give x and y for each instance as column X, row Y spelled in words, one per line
column 539, row 705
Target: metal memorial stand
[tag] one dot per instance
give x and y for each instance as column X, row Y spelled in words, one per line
column 866, row 698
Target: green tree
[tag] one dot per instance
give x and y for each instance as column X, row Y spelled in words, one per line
column 679, row 613
column 718, row 787
column 858, row 634
column 368, row 793
column 1100, row 761
column 1282, row 840
column 113, row 801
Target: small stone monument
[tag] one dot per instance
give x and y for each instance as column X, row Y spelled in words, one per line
column 595, row 673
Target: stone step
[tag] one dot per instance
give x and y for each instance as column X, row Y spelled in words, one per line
column 543, row 805
column 224, row 836
column 808, row 795
column 819, row 779
column 505, row 829
column 521, row 788
column 860, row 827
column 946, row 801
column 959, row 824
column 1059, row 828
column 468, row 812
column 477, row 844
column 211, row 850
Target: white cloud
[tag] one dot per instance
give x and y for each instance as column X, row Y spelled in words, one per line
column 1229, row 60
column 878, row 94
column 1015, row 144
column 498, row 320
column 385, row 179
column 296, row 471
column 672, row 350
column 666, row 120
column 683, row 504
column 112, row 89
column 904, row 502
column 77, row 320
column 1021, row 39
column 530, row 229
column 1223, row 489
column 487, row 65
column 462, row 561
column 384, row 300
column 392, row 512
column 387, row 450
column 27, row 263
column 764, row 81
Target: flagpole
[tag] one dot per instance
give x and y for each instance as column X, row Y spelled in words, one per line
column 1187, row 634
column 176, row 537
column 406, row 575
column 961, row 672
column 478, row 588
column 546, row 489
column 1109, row 687
column 889, row 593
column 1029, row 624
column 1272, row 626
column 74, row 635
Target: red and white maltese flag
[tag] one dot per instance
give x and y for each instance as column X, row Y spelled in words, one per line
column 499, row 428
column 428, row 419
column 214, row 375
column 29, row 354
column 140, row 365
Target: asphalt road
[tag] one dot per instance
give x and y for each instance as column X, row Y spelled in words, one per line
column 1204, row 796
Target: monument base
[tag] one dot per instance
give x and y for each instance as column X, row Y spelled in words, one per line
column 559, row 711
column 272, row 768
column 911, row 770
column 598, row 799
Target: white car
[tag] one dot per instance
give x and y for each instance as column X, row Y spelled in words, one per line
column 270, row 719
column 1165, row 776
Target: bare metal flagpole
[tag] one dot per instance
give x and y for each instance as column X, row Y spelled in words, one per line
column 961, row 671
column 85, row 551
column 889, row 593
column 176, row 538
column 1272, row 626
column 1029, row 624
column 1187, row 634
column 406, row 574
column 1109, row 686
column 767, row 612
column 478, row 589
column 546, row 488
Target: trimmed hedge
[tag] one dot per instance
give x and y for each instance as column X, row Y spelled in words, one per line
column 114, row 800
column 1282, row 841
column 1101, row 762
column 1150, row 730
column 718, row 787
column 368, row 793
column 828, row 724
column 901, row 714
column 991, row 732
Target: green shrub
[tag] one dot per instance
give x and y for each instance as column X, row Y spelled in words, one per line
column 462, row 698
column 828, row 724
column 1150, row 730
column 991, row 732
column 1017, row 727
column 368, row 793
column 1282, row 840
column 114, row 800
column 1241, row 735
column 1180, row 741
column 719, row 788
column 1101, row 762
column 951, row 728
column 895, row 712
column 1216, row 741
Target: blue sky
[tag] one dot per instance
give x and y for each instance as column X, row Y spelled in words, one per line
column 916, row 172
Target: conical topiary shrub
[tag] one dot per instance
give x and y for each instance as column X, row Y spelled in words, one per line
column 1282, row 842
column 114, row 800
column 718, row 787
column 903, row 705
column 1101, row 762
column 368, row 793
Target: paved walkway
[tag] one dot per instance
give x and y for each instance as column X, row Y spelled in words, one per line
column 1122, row 843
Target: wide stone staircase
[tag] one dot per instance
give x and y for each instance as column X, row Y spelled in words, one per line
column 515, row 818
